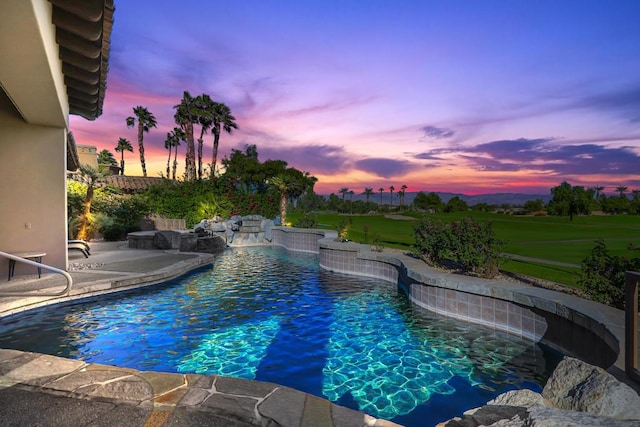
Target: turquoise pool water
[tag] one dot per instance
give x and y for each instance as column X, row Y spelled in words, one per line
column 273, row 315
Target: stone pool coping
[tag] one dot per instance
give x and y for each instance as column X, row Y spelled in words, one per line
column 171, row 398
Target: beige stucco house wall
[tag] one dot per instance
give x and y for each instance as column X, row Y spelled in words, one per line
column 88, row 155
column 38, row 91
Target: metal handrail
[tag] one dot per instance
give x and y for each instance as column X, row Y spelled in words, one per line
column 66, row 275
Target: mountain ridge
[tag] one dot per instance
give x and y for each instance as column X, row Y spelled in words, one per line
column 513, row 199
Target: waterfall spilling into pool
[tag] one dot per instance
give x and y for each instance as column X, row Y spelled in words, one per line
column 268, row 314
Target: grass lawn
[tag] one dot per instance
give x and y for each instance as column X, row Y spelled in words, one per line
column 545, row 237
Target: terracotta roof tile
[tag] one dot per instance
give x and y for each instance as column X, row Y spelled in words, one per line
column 83, row 34
column 131, row 183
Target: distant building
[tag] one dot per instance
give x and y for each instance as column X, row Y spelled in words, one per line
column 88, row 155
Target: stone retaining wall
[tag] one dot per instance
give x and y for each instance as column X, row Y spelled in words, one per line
column 568, row 323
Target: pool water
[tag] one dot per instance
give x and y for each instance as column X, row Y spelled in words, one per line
column 273, row 315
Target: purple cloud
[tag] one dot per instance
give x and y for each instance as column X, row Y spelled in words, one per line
column 544, row 155
column 385, row 168
column 437, row 133
column 625, row 102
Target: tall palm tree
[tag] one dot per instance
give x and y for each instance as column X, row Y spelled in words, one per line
column 146, row 121
column 343, row 191
column 381, row 190
column 169, row 143
column 391, row 196
column 622, row 189
column 222, row 120
column 186, row 115
column 179, row 136
column 368, row 192
column 204, row 105
column 291, row 183
column 123, row 145
column 598, row 189
column 402, row 191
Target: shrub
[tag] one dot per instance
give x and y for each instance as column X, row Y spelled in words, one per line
column 307, row 221
column 468, row 244
column 343, row 230
column 197, row 200
column 432, row 242
column 602, row 275
column 95, row 224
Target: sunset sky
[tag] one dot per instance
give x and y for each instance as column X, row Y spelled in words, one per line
column 465, row 96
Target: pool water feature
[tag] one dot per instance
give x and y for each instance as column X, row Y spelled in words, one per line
column 273, row 315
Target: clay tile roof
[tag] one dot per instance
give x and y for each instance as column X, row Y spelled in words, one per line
column 131, row 184
column 83, row 33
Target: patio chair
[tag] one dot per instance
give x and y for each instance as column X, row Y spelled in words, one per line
column 79, row 245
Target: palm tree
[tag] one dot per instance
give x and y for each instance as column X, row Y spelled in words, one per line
column 402, row 191
column 222, row 120
column 343, row 191
column 186, row 115
column 291, row 183
column 598, row 189
column 381, row 190
column 391, row 196
column 106, row 159
column 368, row 192
column 204, row 105
column 123, row 145
column 169, row 142
column 179, row 136
column 146, row 121
column 622, row 189
column 91, row 176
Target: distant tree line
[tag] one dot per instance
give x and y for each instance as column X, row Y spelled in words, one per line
column 566, row 200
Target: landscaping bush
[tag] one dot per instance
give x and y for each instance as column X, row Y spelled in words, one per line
column 602, row 275
column 197, row 200
column 307, row 221
column 467, row 244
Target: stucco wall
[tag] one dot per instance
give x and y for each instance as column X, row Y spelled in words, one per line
column 32, row 191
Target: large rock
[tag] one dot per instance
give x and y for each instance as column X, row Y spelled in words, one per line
column 577, row 394
column 267, row 226
column 211, row 244
column 536, row 416
column 575, row 385
column 166, row 239
column 518, row 398
column 188, row 242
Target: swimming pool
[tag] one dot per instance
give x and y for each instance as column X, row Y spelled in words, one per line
column 273, row 315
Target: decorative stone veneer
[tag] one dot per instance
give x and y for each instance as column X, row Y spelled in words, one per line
column 574, row 326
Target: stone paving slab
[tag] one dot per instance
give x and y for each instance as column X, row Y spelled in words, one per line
column 65, row 392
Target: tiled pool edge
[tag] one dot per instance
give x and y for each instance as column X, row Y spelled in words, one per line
column 585, row 329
